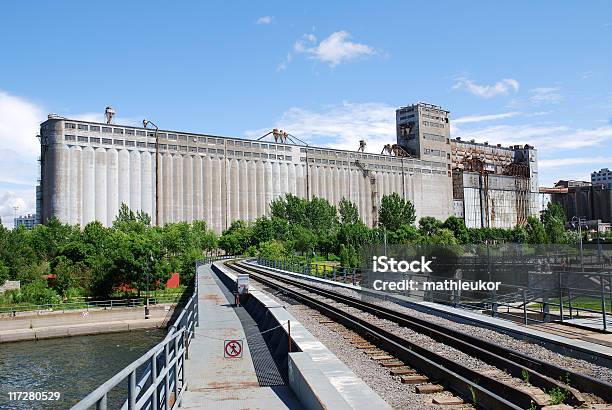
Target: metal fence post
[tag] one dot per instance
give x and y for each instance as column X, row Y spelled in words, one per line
column 176, row 364
column 569, row 301
column 132, row 391
column 155, row 398
column 561, row 299
column 166, row 377
column 494, row 304
column 525, row 305
column 102, row 404
column 603, row 302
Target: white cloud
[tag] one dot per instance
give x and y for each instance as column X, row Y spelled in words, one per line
column 502, row 87
column 265, row 20
column 339, row 126
column 564, row 162
column 545, row 95
column 333, row 50
column 23, row 200
column 19, row 148
column 487, row 117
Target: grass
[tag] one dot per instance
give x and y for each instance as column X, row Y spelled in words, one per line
column 581, row 302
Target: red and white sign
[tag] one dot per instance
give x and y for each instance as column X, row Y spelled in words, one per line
column 232, row 348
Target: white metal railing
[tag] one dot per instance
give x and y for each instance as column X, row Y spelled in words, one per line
column 163, row 380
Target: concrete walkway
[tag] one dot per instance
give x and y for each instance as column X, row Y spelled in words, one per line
column 216, row 382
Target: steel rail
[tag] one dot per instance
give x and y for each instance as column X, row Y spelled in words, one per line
column 442, row 335
column 489, row 393
column 580, row 381
column 540, row 373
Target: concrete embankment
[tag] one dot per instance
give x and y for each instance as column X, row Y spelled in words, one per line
column 49, row 324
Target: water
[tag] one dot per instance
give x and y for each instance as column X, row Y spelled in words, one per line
column 72, row 366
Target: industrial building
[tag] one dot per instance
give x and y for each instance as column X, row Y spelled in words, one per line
column 493, row 186
column 89, row 169
column 602, row 177
column 581, row 199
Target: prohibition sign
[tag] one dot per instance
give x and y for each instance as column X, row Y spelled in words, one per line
column 233, row 348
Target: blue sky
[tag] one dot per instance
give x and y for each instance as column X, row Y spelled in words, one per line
column 329, row 72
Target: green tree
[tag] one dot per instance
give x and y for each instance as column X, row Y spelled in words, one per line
column 519, row 234
column 428, row 225
column 272, row 249
column 457, row 226
column 554, row 223
column 236, row 239
column 395, row 211
column 4, row 273
column 405, row 234
column 290, row 208
column 535, row 230
column 348, row 212
column 304, row 241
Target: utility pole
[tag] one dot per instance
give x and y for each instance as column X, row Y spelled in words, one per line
column 145, row 123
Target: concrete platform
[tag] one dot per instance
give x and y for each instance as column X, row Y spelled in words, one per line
column 216, row 382
column 593, row 348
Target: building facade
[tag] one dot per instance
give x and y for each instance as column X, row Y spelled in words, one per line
column 581, row 199
column 602, row 177
column 89, row 169
column 493, row 186
column 28, row 221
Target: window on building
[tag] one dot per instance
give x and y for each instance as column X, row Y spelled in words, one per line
column 82, row 139
column 118, row 142
column 70, row 137
column 129, row 143
column 141, row 144
column 107, row 141
column 107, row 129
column 129, row 131
column 83, row 127
column 96, row 140
column 118, row 130
column 94, row 128
column 140, row 133
column 70, row 126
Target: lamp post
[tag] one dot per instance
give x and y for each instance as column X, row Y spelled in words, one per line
column 146, row 123
column 579, row 221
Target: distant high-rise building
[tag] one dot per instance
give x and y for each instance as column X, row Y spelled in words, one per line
column 28, row 221
column 602, row 177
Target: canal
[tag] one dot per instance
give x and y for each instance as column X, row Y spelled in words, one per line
column 72, row 366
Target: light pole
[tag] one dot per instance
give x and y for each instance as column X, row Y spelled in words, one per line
column 145, row 123
column 579, row 221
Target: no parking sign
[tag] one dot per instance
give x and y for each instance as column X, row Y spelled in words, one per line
column 232, row 348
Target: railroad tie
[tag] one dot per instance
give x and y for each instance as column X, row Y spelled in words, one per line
column 429, row 388
column 414, row 379
column 401, row 371
column 382, row 357
column 393, row 363
column 446, row 400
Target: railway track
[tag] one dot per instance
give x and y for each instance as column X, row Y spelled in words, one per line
column 512, row 380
